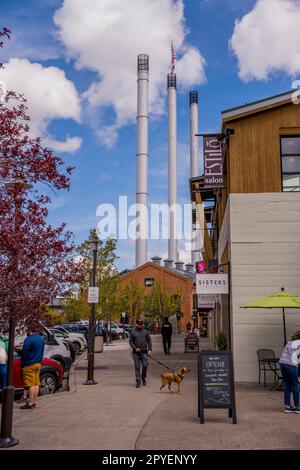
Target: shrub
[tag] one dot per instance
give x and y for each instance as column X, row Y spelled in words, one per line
column 221, row 341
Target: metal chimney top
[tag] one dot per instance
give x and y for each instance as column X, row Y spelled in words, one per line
column 190, row 267
column 143, row 62
column 168, row 263
column 179, row 265
column 193, row 97
column 156, row 260
column 172, row 80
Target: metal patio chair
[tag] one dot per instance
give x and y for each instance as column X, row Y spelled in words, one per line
column 264, row 356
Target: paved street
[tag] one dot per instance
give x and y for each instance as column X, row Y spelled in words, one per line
column 115, row 415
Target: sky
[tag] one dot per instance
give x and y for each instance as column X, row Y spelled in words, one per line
column 75, row 61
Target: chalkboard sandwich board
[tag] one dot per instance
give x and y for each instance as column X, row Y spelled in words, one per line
column 216, row 382
column 191, row 343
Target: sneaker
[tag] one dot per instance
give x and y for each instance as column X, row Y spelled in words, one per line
column 138, row 384
column 288, row 409
column 297, row 410
column 144, row 383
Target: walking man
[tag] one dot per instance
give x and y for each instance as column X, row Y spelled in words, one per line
column 31, row 359
column 166, row 331
column 141, row 345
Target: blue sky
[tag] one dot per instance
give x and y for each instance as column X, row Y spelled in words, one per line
column 106, row 169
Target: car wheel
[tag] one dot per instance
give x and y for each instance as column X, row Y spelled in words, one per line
column 48, row 384
column 76, row 347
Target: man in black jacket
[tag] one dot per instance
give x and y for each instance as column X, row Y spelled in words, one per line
column 166, row 331
column 140, row 342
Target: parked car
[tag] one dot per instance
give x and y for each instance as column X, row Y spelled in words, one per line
column 101, row 330
column 75, row 328
column 51, row 376
column 127, row 328
column 60, row 336
column 78, row 339
column 55, row 348
column 116, row 328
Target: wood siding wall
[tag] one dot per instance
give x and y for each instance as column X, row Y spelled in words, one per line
column 254, row 164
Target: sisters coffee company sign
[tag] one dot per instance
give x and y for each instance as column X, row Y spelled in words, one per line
column 212, row 284
column 213, row 161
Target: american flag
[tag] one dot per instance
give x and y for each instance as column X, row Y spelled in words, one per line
column 173, row 58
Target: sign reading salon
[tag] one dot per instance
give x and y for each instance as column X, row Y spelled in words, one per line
column 212, row 284
column 213, row 161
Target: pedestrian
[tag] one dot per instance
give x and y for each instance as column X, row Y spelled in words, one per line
column 166, row 332
column 188, row 327
column 3, row 361
column 31, row 361
column 289, row 362
column 141, row 345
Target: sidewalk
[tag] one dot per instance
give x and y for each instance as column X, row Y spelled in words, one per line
column 109, row 415
column 115, row 415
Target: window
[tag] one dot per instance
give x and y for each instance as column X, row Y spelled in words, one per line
column 290, row 163
column 149, row 282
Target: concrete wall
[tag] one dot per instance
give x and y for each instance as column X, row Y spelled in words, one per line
column 265, row 256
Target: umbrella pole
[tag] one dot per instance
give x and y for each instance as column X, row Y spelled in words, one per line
column 284, row 327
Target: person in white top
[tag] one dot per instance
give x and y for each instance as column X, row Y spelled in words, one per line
column 289, row 362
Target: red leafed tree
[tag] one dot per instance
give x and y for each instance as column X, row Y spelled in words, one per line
column 36, row 260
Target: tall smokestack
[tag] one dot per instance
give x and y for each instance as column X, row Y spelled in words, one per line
column 194, row 129
column 141, row 247
column 172, row 165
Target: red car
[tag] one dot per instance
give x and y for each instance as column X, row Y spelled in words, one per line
column 51, row 376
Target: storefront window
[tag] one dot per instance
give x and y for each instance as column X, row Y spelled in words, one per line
column 290, row 162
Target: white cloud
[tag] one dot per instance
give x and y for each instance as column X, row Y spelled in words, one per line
column 267, row 39
column 70, row 145
column 106, row 36
column 50, row 96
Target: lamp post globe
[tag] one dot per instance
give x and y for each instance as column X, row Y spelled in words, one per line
column 93, row 242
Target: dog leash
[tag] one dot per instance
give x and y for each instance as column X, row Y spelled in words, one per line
column 161, row 363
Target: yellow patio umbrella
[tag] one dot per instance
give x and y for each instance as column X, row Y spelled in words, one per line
column 280, row 299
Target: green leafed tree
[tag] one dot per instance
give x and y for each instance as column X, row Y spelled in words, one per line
column 108, row 306
column 75, row 309
column 106, row 278
column 131, row 300
column 106, row 258
column 162, row 302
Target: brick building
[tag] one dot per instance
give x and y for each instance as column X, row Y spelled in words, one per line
column 172, row 278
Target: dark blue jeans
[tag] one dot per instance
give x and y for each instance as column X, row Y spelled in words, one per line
column 3, row 369
column 140, row 359
column 290, row 378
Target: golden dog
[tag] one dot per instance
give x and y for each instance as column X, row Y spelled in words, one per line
column 168, row 377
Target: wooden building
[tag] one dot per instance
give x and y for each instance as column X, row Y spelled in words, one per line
column 253, row 222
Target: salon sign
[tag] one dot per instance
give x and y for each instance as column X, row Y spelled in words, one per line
column 213, row 161
column 212, row 284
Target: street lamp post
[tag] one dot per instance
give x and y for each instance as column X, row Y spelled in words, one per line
column 17, row 186
column 94, row 240
column 6, row 439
